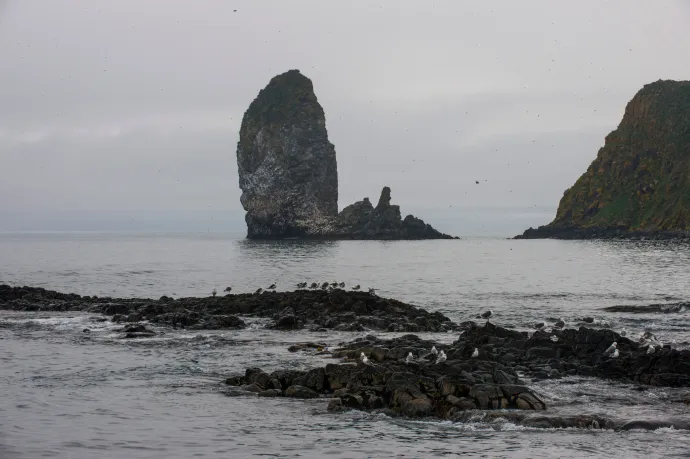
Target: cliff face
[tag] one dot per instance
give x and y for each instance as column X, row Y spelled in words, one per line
column 287, row 167
column 289, row 179
column 640, row 181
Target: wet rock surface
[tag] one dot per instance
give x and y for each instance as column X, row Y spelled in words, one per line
column 402, row 376
column 666, row 308
column 575, row 352
column 313, row 309
column 411, row 390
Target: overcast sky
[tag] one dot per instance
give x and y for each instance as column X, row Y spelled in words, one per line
column 110, row 109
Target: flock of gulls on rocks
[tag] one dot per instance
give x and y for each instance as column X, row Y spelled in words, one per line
column 328, row 286
column 647, row 339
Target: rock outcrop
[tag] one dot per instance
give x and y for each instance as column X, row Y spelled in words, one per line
column 421, row 388
column 287, row 167
column 492, row 379
column 330, row 309
column 639, row 184
column 289, row 179
column 362, row 220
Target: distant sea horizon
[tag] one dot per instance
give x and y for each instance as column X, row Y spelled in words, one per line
column 457, row 221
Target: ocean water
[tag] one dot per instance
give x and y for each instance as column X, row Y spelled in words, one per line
column 67, row 394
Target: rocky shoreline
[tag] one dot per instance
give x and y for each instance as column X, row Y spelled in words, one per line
column 329, row 309
column 488, row 368
column 575, row 233
column 485, row 369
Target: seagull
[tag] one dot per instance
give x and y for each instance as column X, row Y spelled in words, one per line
column 356, row 287
column 554, row 338
column 434, row 351
column 475, row 354
column 272, row 287
column 214, row 292
column 363, row 358
column 611, row 348
column 372, row 291
column 441, row 357
column 560, row 323
column 615, row 354
column 228, row 289
column 623, row 332
column 258, row 291
column 487, row 314
column 647, row 336
column 650, row 349
column 409, row 358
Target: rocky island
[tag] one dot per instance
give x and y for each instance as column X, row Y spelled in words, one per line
column 639, row 184
column 288, row 174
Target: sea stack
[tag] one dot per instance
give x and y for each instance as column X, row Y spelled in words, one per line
column 288, row 174
column 639, row 184
column 287, row 167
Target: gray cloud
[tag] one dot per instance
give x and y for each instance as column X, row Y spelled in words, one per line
column 134, row 106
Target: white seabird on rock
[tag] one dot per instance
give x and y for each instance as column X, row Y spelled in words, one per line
column 475, row 354
column 441, row 357
column 611, row 348
column 362, row 356
column 650, row 349
column 487, row 314
column 615, row 354
column 409, row 357
column 434, row 351
column 554, row 338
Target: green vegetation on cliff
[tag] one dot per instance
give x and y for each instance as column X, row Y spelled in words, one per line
column 640, row 180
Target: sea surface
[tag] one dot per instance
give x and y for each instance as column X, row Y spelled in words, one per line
column 67, row 394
